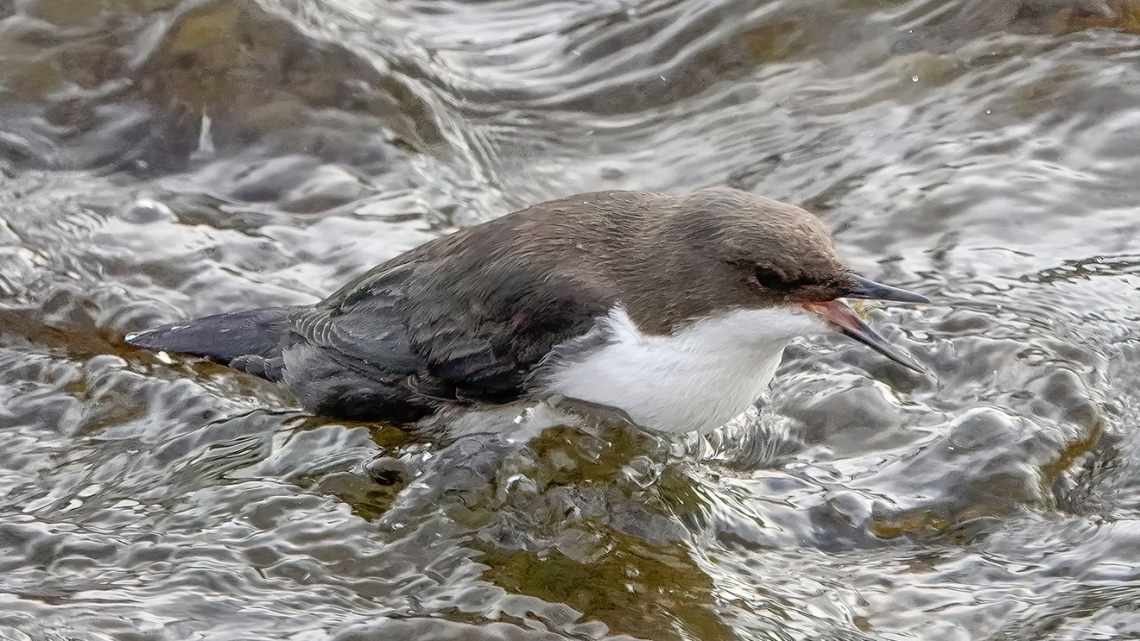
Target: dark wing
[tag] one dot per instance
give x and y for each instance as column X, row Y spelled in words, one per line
column 461, row 324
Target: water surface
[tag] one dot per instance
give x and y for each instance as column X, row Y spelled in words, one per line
column 163, row 159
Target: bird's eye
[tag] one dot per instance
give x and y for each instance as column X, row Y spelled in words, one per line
column 770, row 279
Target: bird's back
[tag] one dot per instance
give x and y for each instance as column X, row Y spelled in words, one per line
column 465, row 318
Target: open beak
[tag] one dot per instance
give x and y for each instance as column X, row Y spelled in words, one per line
column 846, row 321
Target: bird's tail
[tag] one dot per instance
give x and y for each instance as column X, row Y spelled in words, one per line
column 250, row 341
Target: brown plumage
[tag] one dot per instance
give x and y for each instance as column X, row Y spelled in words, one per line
column 470, row 316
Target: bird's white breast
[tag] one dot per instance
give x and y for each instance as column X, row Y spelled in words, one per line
column 697, row 378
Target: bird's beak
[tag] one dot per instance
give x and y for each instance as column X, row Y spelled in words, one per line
column 844, row 319
column 859, row 287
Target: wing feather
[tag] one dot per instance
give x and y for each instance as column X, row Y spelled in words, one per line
column 442, row 331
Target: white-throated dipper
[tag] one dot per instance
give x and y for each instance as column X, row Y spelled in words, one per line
column 674, row 309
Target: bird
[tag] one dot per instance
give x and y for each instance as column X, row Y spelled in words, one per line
column 673, row 309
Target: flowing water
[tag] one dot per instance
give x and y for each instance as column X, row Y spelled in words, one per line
column 162, row 159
